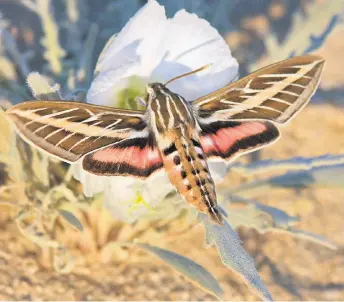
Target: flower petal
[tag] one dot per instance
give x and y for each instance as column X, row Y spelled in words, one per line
column 92, row 184
column 141, row 31
column 122, row 198
column 157, row 49
column 128, row 198
column 131, row 53
column 190, row 43
column 157, row 187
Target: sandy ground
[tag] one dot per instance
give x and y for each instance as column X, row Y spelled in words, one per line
column 292, row 269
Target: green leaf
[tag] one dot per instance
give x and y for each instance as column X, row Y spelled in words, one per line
column 295, row 163
column 40, row 166
column 255, row 209
column 309, row 236
column 9, row 154
column 84, row 74
column 269, row 219
column 6, row 133
column 249, row 216
column 196, row 273
column 70, row 218
column 53, row 53
column 326, row 176
column 234, row 256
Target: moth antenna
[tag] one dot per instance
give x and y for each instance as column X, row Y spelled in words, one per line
column 188, row 73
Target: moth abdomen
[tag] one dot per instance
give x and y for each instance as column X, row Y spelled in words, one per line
column 187, row 170
column 169, row 149
column 216, row 215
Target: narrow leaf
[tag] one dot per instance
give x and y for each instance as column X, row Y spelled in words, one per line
column 318, row 239
column 84, row 74
column 54, row 53
column 70, row 218
column 249, row 216
column 279, row 217
column 40, row 166
column 327, row 176
column 269, row 219
column 295, row 163
column 188, row 268
column 6, row 132
column 234, row 256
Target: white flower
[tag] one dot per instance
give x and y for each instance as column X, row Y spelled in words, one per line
column 152, row 48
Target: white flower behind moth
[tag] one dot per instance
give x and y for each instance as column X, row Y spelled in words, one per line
column 153, row 48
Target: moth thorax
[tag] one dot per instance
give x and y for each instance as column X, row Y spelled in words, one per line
column 169, row 109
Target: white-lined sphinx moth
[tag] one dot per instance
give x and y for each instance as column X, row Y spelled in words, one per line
column 173, row 134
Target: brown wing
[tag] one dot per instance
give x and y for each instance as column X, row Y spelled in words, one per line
column 275, row 93
column 70, row 130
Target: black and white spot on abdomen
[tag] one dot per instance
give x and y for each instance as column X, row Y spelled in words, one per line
column 187, row 169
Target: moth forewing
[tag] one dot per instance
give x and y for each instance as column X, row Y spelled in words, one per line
column 276, row 92
column 70, row 130
column 305, row 96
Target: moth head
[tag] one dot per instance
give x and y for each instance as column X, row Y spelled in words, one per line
column 153, row 89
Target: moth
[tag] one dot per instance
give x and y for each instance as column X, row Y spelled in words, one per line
column 174, row 135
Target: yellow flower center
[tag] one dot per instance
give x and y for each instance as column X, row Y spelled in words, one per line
column 136, row 202
column 126, row 98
